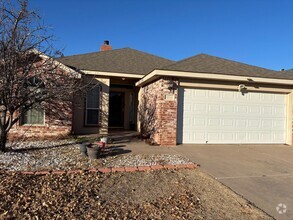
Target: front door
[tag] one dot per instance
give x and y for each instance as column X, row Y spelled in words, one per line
column 116, row 109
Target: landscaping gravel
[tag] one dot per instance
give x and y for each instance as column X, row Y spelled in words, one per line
column 65, row 155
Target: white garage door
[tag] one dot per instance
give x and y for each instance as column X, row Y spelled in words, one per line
column 212, row 116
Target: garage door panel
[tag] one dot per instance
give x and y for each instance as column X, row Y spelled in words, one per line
column 228, row 109
column 227, row 136
column 241, row 136
column 267, row 124
column 241, row 123
column 214, row 108
column 279, row 110
column 254, row 124
column 254, row 136
column 214, row 123
column 198, row 93
column 241, row 109
column 210, row 116
column 279, row 136
column 199, row 122
column 278, row 125
column 228, row 96
column 200, row 107
column 228, row 123
column 255, row 109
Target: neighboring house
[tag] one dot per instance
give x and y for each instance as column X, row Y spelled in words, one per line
column 202, row 99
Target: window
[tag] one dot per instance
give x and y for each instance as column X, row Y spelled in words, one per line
column 34, row 116
column 92, row 107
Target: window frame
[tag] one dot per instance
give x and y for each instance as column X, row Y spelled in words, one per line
column 34, row 83
column 97, row 109
column 30, row 124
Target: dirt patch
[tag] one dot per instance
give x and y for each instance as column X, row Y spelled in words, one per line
column 183, row 194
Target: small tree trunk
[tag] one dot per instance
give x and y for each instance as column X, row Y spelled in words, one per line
column 3, row 139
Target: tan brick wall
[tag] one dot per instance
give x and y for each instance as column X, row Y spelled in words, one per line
column 57, row 124
column 165, row 110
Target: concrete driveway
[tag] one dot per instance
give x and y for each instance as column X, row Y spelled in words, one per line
column 263, row 174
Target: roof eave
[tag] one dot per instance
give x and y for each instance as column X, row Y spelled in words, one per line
column 113, row 74
column 60, row 65
column 197, row 75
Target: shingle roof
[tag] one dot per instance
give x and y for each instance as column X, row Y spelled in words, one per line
column 125, row 60
column 204, row 63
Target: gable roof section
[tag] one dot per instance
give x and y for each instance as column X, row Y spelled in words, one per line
column 125, row 60
column 204, row 63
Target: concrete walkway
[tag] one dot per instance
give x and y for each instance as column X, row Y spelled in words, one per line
column 263, row 174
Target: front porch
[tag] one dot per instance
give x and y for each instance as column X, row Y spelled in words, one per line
column 111, row 105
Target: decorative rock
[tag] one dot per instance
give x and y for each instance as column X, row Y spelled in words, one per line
column 65, row 155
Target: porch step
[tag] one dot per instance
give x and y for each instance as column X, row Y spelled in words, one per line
column 116, row 137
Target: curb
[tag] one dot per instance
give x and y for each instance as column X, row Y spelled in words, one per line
column 115, row 169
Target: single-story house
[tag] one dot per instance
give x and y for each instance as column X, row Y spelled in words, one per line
column 202, row 99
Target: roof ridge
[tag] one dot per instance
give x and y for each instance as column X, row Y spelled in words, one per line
column 220, row 58
column 94, row 52
column 120, row 60
column 107, row 51
column 185, row 59
column 148, row 54
column 240, row 62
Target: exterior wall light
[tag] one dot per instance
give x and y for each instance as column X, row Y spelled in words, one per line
column 171, row 85
column 242, row 88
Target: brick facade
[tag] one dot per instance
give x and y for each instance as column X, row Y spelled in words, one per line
column 164, row 101
column 58, row 120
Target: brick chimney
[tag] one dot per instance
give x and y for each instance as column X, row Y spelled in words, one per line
column 106, row 46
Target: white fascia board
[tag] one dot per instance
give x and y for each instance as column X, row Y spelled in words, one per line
column 123, row 75
column 192, row 75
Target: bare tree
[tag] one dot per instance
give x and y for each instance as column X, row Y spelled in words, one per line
column 147, row 114
column 29, row 77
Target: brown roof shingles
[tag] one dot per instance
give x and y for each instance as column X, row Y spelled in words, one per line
column 125, row 60
column 204, row 63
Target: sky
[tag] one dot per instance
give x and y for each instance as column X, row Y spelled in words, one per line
column 256, row 32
